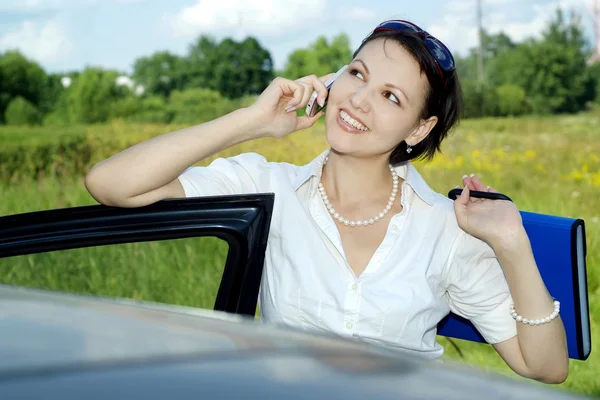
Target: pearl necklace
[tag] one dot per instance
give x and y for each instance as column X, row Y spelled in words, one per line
column 365, row 222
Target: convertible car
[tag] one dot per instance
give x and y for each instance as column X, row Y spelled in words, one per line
column 63, row 346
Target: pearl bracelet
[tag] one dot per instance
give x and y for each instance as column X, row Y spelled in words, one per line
column 539, row 321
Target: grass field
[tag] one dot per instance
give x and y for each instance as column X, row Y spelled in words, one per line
column 548, row 165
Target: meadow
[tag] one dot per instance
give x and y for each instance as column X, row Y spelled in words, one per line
column 547, row 165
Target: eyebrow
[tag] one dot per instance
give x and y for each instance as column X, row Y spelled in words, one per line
column 387, row 84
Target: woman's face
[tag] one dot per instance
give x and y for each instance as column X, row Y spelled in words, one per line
column 376, row 103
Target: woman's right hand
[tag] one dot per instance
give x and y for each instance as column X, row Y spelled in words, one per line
column 276, row 106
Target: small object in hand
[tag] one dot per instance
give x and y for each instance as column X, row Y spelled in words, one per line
column 454, row 193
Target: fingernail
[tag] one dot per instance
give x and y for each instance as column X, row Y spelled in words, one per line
column 489, row 187
column 457, row 187
column 288, row 109
column 465, row 176
column 472, row 175
column 321, row 101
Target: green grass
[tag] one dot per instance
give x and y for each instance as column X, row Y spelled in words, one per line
column 22, row 135
column 548, row 165
column 184, row 271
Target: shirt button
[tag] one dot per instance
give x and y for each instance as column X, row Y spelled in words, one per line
column 349, row 325
column 354, row 286
column 394, row 228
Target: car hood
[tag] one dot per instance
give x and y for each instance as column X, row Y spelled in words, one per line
column 41, row 328
column 43, row 332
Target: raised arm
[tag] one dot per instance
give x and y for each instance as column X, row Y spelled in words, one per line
column 147, row 172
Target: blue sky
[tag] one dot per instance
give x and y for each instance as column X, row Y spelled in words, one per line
column 65, row 35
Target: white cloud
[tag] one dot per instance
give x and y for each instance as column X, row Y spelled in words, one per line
column 9, row 5
column 358, row 14
column 499, row 2
column 267, row 17
column 457, row 28
column 29, row 5
column 46, row 42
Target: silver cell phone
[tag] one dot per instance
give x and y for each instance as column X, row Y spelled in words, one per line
column 312, row 108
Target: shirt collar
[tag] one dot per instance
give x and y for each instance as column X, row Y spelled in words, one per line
column 405, row 170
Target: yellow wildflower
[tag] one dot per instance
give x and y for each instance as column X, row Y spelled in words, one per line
column 596, row 179
column 499, row 154
column 576, row 176
column 585, row 168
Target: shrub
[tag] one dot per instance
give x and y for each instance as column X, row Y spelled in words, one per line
column 511, row 100
column 480, row 100
column 193, row 106
column 22, row 112
column 594, row 71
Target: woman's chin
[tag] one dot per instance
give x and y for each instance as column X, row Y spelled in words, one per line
column 342, row 144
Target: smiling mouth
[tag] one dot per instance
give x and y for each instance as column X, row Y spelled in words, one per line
column 351, row 122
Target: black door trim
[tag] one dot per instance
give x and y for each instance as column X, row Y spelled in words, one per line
column 243, row 221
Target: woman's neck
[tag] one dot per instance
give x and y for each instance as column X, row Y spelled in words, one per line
column 350, row 179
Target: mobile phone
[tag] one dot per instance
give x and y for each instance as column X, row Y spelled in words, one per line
column 454, row 193
column 312, row 108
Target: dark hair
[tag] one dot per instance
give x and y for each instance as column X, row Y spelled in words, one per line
column 443, row 99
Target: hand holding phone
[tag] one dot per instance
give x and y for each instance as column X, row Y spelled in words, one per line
column 312, row 108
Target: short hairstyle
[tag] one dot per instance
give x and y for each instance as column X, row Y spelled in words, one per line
column 444, row 98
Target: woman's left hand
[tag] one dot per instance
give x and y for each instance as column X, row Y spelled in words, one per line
column 497, row 222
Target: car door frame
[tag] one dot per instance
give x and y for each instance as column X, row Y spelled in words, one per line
column 243, row 221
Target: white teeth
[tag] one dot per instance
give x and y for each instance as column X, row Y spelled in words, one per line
column 352, row 122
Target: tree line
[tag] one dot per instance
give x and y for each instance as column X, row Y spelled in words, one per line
column 547, row 75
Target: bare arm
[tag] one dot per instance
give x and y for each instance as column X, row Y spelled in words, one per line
column 147, row 172
column 538, row 351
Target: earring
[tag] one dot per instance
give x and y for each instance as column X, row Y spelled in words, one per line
column 408, row 148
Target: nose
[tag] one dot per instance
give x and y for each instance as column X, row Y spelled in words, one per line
column 360, row 99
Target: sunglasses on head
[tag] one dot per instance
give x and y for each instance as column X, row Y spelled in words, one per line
column 442, row 56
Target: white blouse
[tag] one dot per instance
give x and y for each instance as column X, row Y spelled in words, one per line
column 425, row 267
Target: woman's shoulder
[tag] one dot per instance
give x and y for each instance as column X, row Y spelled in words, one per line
column 257, row 163
column 255, row 158
column 438, row 202
column 248, row 172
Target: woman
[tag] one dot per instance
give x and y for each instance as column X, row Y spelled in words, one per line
column 359, row 244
